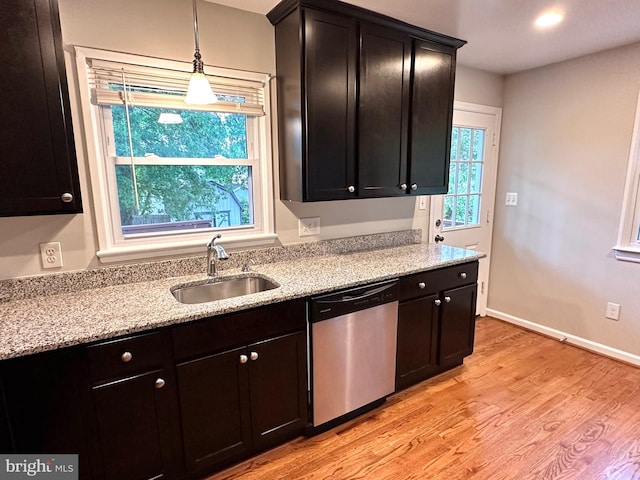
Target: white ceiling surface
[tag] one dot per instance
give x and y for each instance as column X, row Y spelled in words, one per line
column 500, row 33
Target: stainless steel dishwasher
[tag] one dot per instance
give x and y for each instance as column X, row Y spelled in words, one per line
column 353, row 337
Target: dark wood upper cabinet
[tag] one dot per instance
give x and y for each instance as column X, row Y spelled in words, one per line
column 431, row 117
column 365, row 103
column 39, row 167
column 385, row 68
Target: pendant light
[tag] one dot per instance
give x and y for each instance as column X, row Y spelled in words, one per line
column 199, row 92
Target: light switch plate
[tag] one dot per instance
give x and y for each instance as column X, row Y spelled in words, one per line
column 613, row 311
column 309, row 226
column 511, row 199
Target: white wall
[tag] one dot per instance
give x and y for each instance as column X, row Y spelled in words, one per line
column 565, row 146
column 230, row 38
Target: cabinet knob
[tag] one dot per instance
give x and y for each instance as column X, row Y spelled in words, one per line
column 351, row 188
column 437, row 302
column 463, row 275
column 403, row 186
column 244, row 359
column 126, row 357
column 422, row 285
column 159, row 383
column 66, row 197
column 447, row 299
column 414, row 186
column 253, row 355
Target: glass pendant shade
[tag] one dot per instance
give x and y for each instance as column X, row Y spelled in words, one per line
column 200, row 92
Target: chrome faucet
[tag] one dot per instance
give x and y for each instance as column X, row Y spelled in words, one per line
column 214, row 253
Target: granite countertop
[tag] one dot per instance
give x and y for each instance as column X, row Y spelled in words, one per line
column 44, row 323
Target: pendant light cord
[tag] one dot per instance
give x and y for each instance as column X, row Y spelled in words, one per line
column 198, row 66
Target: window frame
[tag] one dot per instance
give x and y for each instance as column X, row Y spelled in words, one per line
column 627, row 247
column 113, row 245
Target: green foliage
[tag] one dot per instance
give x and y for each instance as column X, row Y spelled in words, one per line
column 181, row 192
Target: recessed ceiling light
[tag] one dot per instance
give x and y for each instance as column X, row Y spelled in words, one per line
column 549, row 19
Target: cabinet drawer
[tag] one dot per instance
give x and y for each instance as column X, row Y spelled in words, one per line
column 433, row 281
column 125, row 356
column 227, row 331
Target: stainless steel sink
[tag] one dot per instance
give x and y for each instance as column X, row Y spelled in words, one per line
column 222, row 289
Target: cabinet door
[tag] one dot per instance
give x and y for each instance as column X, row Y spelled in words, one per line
column 431, row 115
column 278, row 389
column 457, row 325
column 134, row 427
column 330, row 88
column 38, row 151
column 417, row 341
column 214, row 406
column 383, row 103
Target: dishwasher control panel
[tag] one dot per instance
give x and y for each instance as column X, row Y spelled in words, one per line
column 353, row 299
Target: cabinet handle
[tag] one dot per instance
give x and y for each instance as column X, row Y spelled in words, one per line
column 463, row 275
column 437, row 302
column 126, row 357
column 244, row 359
column 66, row 197
column 422, row 285
column 403, row 186
column 351, row 188
column 253, row 355
column 414, row 186
column 159, row 383
column 447, row 299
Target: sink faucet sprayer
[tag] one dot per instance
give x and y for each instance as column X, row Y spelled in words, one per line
column 214, row 253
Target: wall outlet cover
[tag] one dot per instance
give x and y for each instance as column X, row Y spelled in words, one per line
column 613, row 311
column 51, row 254
column 511, row 199
column 309, row 226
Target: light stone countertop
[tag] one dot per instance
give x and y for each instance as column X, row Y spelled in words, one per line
column 49, row 322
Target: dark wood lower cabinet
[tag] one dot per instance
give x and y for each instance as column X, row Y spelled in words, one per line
column 436, row 322
column 457, row 325
column 242, row 400
column 135, row 428
column 417, row 341
column 214, row 410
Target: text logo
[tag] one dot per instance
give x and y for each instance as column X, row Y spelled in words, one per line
column 49, row 467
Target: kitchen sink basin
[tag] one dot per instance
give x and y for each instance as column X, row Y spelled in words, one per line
column 222, row 288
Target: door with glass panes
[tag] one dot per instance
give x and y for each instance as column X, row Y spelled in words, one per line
column 463, row 217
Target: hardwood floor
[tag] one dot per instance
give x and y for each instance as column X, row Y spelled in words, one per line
column 523, row 407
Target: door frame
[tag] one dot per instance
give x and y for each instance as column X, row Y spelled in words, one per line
column 489, row 196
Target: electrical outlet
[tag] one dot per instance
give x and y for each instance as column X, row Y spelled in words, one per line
column 422, row 202
column 51, row 254
column 511, row 199
column 613, row 311
column 309, row 226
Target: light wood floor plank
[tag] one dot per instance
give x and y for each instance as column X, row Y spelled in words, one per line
column 522, row 407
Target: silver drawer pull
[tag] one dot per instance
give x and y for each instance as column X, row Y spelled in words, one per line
column 437, row 302
column 351, row 189
column 66, row 197
column 126, row 357
column 447, row 299
column 244, row 359
column 422, row 285
column 463, row 275
column 403, row 186
column 159, row 383
column 253, row 355
column 414, row 186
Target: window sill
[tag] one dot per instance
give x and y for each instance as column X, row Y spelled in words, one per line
column 138, row 252
column 627, row 253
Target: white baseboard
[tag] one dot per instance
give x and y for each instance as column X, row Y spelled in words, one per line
column 568, row 338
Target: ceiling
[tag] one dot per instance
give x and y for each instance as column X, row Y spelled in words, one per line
column 500, row 33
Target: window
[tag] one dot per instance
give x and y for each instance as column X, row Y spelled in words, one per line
column 628, row 245
column 167, row 175
column 461, row 205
